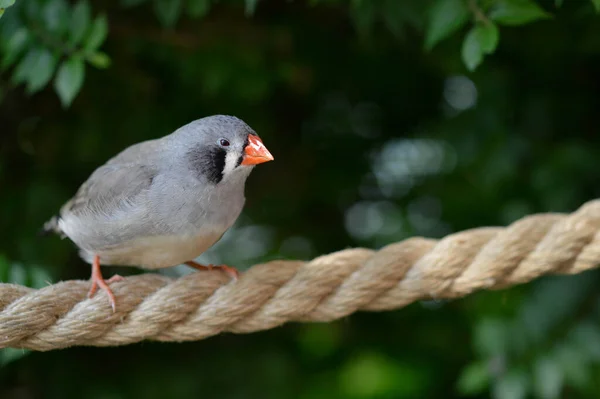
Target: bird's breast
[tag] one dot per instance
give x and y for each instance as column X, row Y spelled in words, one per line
column 159, row 251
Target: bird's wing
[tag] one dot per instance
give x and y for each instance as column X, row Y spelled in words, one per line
column 109, row 189
column 120, row 179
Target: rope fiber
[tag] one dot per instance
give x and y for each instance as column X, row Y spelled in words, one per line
column 203, row 304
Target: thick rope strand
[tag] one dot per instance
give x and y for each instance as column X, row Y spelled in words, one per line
column 203, row 304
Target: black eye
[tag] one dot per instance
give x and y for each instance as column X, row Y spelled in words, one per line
column 224, row 143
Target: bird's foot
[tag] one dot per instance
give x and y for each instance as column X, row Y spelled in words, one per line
column 98, row 281
column 231, row 271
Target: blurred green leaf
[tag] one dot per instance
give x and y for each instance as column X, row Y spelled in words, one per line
column 35, row 69
column 250, row 6
column 547, row 378
column 574, row 365
column 596, row 4
column 37, row 277
column 23, row 68
column 489, row 38
column 15, row 46
column 491, row 337
column 373, row 375
column 397, row 15
column 474, row 379
column 18, row 274
column 587, row 337
column 5, row 4
column 34, row 11
column 319, row 340
column 482, row 39
column 445, row 18
column 513, row 385
column 41, row 74
column 9, row 355
column 99, row 60
column 69, row 79
column 541, row 313
column 167, row 11
column 56, row 17
column 97, row 34
column 198, row 8
column 363, row 14
column 80, row 21
column 517, row 12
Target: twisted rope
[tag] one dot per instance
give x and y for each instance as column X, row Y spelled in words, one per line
column 199, row 305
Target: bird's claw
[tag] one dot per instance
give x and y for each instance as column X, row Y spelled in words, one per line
column 231, row 271
column 98, row 281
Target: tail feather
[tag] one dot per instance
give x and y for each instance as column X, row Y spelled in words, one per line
column 51, row 226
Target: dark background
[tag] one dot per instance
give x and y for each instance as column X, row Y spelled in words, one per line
column 375, row 140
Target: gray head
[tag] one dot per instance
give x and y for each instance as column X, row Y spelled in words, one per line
column 219, row 147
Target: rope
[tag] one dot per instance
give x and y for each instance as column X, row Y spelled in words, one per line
column 203, row 304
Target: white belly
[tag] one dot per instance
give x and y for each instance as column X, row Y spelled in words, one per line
column 156, row 252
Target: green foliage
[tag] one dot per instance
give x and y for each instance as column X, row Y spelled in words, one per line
column 474, row 379
column 5, row 4
column 167, row 11
column 80, row 21
column 16, row 273
column 251, row 6
column 8, row 355
column 96, row 36
column 35, row 69
column 513, row 385
column 69, row 79
column 446, row 17
column 482, row 39
column 198, row 8
column 547, row 378
column 517, row 12
column 49, row 31
column 371, row 375
column 38, row 36
column 533, row 355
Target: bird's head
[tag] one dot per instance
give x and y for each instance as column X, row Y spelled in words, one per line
column 219, row 148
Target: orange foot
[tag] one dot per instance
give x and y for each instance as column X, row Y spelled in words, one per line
column 231, row 271
column 98, row 281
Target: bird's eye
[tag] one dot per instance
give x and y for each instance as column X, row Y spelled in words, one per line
column 224, row 143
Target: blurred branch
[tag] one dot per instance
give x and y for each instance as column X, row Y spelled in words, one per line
column 478, row 12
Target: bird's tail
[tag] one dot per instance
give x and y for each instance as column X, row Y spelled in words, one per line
column 51, row 226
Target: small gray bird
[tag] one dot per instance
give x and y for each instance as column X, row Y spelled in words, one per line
column 163, row 202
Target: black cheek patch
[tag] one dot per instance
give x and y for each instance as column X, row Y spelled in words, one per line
column 208, row 162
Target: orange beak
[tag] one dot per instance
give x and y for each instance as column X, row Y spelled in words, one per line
column 256, row 152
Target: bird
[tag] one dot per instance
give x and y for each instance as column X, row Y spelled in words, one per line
column 162, row 202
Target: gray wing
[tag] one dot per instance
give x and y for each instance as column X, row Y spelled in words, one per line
column 120, row 179
column 109, row 189
column 108, row 208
